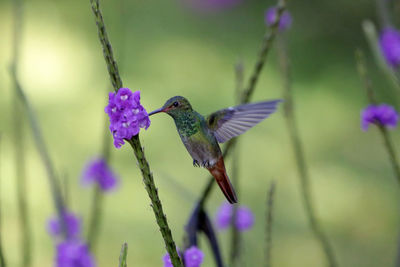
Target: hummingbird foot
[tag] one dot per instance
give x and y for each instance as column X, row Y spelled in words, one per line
column 196, row 163
column 206, row 164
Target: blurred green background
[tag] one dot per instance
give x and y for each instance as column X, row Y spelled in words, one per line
column 165, row 48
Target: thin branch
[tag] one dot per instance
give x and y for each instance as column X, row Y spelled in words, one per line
column 247, row 93
column 363, row 72
column 97, row 202
column 19, row 143
column 371, row 35
column 43, row 152
column 2, row 257
column 268, row 224
column 299, row 154
column 123, row 255
column 235, row 234
column 135, row 142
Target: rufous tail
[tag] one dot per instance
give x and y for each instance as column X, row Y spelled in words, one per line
column 219, row 173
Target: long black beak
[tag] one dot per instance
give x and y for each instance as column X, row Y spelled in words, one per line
column 156, row 111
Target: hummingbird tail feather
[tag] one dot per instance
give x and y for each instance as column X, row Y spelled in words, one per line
column 219, row 173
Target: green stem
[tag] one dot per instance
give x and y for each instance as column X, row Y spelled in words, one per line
column 2, row 257
column 135, row 142
column 97, row 202
column 265, row 48
column 123, row 255
column 363, row 72
column 19, row 144
column 152, row 191
column 43, row 152
column 247, row 93
column 391, row 152
column 268, row 224
column 235, row 234
column 299, row 155
column 95, row 217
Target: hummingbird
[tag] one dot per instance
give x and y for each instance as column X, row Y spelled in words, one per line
column 201, row 135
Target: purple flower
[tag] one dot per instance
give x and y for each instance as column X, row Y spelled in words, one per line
column 193, row 257
column 167, row 259
column 126, row 114
column 390, row 46
column 271, row 15
column 224, row 215
column 98, row 171
column 72, row 224
column 74, row 254
column 383, row 114
column 244, row 217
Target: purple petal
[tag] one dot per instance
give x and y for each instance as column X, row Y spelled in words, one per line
column 193, row 257
column 74, row 254
column 390, row 46
column 98, row 171
column 245, row 219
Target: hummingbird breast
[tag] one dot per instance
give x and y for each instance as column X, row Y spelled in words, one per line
column 199, row 140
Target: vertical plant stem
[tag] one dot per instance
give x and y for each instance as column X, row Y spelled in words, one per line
column 266, row 46
column 305, row 186
column 371, row 34
column 123, row 255
column 2, row 256
column 268, row 224
column 363, row 72
column 152, row 191
column 19, row 144
column 135, row 142
column 97, row 202
column 43, row 152
column 95, row 217
column 235, row 234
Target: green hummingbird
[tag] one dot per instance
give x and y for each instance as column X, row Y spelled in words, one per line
column 201, row 135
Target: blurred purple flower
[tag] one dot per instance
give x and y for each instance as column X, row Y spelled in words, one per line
column 72, row 224
column 74, row 254
column 244, row 217
column 193, row 257
column 383, row 114
column 224, row 215
column 271, row 15
column 98, row 171
column 390, row 46
column 126, row 114
column 167, row 259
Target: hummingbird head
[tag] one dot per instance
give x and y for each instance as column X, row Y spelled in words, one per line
column 174, row 106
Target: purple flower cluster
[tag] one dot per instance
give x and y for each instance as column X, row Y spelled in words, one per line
column 70, row 251
column 271, row 16
column 244, row 217
column 72, row 225
column 74, row 254
column 126, row 114
column 390, row 46
column 384, row 115
column 193, row 257
column 98, row 171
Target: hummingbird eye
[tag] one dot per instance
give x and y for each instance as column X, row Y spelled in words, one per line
column 175, row 104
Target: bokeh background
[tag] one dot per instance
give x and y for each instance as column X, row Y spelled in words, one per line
column 167, row 48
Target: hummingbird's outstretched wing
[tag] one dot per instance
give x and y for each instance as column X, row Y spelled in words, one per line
column 230, row 122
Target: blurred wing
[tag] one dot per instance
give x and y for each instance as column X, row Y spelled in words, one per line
column 230, row 122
